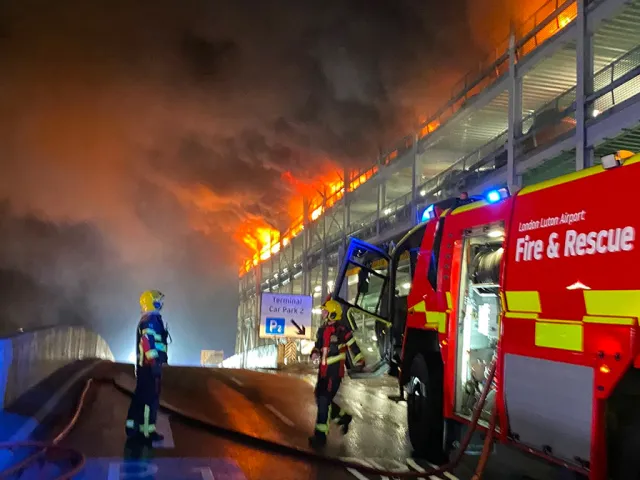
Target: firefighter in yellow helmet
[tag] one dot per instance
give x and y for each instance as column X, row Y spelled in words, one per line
column 151, row 354
column 333, row 340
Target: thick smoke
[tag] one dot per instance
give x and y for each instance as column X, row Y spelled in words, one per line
column 138, row 138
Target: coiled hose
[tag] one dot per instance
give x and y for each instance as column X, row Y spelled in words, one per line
column 78, row 458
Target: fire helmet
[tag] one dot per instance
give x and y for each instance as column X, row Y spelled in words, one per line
column 332, row 310
column 151, row 301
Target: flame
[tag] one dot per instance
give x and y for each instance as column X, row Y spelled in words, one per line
column 316, row 213
column 428, row 128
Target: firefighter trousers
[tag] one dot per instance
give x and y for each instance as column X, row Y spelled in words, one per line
column 143, row 411
column 328, row 410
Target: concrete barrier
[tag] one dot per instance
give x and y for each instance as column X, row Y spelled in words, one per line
column 28, row 358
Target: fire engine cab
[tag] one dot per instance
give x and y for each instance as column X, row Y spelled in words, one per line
column 545, row 284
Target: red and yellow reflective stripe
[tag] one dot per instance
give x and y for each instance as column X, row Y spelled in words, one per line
column 433, row 319
column 603, row 307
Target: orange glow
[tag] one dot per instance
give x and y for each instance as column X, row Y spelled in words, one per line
column 429, row 128
column 561, row 20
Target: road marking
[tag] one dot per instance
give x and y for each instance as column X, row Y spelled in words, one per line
column 356, row 474
column 379, row 467
column 236, row 381
column 275, row 411
column 412, row 463
column 353, row 471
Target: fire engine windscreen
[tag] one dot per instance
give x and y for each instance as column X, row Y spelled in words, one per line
column 479, row 311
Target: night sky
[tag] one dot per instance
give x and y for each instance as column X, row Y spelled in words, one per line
column 141, row 140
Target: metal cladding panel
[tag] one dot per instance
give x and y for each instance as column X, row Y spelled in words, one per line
column 549, row 404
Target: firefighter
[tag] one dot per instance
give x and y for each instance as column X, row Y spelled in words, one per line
column 333, row 340
column 151, row 354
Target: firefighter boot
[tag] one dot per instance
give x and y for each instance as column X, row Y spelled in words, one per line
column 318, row 440
column 344, row 422
column 155, row 437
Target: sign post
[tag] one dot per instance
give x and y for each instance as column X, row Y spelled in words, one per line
column 285, row 315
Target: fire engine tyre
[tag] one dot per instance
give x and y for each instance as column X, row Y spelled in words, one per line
column 624, row 460
column 424, row 410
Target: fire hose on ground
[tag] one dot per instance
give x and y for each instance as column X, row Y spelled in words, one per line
column 278, row 448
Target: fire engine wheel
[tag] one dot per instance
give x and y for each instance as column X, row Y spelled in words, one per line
column 424, row 410
column 624, row 461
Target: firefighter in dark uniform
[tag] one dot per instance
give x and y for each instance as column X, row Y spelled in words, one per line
column 333, row 340
column 151, row 354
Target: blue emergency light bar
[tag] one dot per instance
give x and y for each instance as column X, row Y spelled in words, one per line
column 428, row 213
column 494, row 196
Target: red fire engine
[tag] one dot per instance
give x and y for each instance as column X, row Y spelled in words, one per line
column 544, row 285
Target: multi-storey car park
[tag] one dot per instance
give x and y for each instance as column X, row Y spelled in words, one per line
column 558, row 95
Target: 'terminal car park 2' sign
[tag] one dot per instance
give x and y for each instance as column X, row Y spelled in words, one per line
column 285, row 315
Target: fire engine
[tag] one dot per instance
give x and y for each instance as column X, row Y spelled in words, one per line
column 541, row 283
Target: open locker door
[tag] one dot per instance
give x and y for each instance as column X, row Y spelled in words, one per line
column 361, row 287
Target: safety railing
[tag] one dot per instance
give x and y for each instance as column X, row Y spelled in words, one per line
column 617, row 82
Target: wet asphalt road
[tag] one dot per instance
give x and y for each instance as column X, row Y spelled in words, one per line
column 275, row 407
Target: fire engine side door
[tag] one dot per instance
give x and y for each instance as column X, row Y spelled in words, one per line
column 361, row 286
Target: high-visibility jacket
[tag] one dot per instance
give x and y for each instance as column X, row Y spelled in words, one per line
column 333, row 341
column 151, row 340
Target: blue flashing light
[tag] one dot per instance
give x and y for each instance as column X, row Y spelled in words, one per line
column 428, row 213
column 493, row 196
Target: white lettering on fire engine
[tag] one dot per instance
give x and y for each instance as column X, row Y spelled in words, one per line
column 564, row 219
column 576, row 244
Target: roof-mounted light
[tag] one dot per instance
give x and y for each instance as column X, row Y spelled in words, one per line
column 615, row 159
column 494, row 196
column 428, row 213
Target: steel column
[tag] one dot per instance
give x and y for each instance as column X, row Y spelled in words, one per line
column 514, row 116
column 382, row 195
column 323, row 257
column 414, row 180
column 306, row 237
column 584, row 86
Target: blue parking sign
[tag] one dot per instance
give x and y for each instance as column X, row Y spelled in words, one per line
column 274, row 326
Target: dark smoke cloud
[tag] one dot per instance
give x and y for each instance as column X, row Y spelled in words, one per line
column 138, row 136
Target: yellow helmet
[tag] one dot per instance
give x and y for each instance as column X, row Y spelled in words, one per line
column 151, row 300
column 333, row 310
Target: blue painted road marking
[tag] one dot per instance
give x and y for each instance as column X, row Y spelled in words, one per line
column 161, row 469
